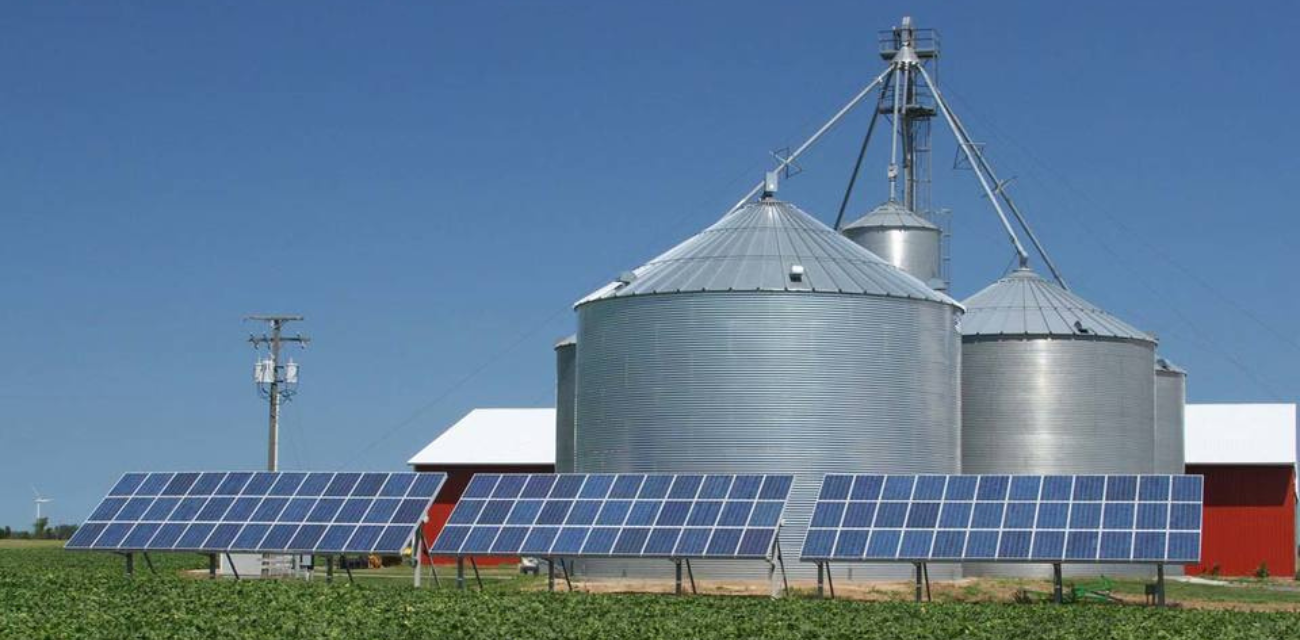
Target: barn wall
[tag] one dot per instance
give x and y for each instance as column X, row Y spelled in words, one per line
column 1249, row 519
column 458, row 477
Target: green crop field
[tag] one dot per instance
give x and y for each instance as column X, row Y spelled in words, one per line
column 49, row 593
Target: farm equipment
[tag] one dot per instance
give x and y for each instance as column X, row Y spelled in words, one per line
column 1098, row 590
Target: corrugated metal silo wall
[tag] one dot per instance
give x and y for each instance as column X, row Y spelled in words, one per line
column 1064, row 405
column 1171, row 399
column 915, row 251
column 757, row 382
column 565, row 372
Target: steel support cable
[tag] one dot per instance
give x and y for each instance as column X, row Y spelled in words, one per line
column 968, row 148
column 1132, row 233
column 1015, row 211
column 830, row 124
column 862, row 153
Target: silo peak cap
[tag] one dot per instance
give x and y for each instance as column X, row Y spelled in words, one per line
column 890, row 215
column 1022, row 303
column 754, row 249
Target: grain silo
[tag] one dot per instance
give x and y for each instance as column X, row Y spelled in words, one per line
column 1171, row 398
column 903, row 239
column 767, row 343
column 566, row 354
column 1053, row 384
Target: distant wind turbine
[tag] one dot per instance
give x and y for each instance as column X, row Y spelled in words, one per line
column 40, row 500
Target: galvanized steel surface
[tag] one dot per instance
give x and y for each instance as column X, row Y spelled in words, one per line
column 1024, row 304
column 1053, row 405
column 901, row 238
column 1171, row 400
column 566, row 353
column 754, row 248
column 800, row 383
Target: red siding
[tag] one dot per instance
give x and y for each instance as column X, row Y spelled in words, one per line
column 457, row 479
column 1249, row 519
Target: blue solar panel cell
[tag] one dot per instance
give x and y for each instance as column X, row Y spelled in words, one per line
column 297, row 509
column 955, row 515
column 127, row 484
column 336, row 538
column 662, row 541
column 1020, row 515
column 916, row 544
column 287, row 484
column 364, row 539
column 715, row 488
column 857, row 515
column 866, row 488
column 735, row 513
column 643, row 513
column 539, row 540
column 525, row 512
column 756, row 542
column 85, row 535
column 745, row 488
column 631, row 540
column 250, row 537
column 570, row 540
column 614, row 513
column 929, row 488
column 567, row 486
column 948, row 545
column 1153, row 489
column 538, row 487
column 1049, row 545
column 113, row 535
column 766, row 514
column 851, row 543
column 674, row 513
column 1185, row 516
column 891, row 514
column 259, row 484
column 168, row 535
column 1153, row 515
column 1085, row 515
column 206, row 484
column 723, row 542
column 495, row 512
column 582, row 512
column 1184, row 547
column 1121, row 488
column 1057, row 488
column 600, row 541
column 1118, row 515
column 324, row 510
column 626, row 487
column 449, row 540
column 961, row 488
column 397, row 485
column 160, row 509
column 655, row 488
column 982, row 544
column 1025, row 487
column 241, row 509
column 1116, row 545
column 108, row 509
column 595, row 488
column 134, row 509
column 180, row 484
column 836, row 488
column 776, row 488
column 353, row 510
column 188, row 508
column 923, row 515
column 993, row 488
column 509, row 540
column 685, row 487
column 1089, row 487
column 140, row 535
column 153, row 484
column 883, row 543
column 194, row 536
column 1187, row 489
column 393, row 541
column 369, row 485
column 222, row 535
column 1149, row 545
column 214, row 509
column 898, row 488
column 1081, row 545
column 233, row 483
column 480, row 486
column 554, row 512
column 342, row 484
column 1015, row 544
column 1053, row 515
column 988, row 515
column 509, row 487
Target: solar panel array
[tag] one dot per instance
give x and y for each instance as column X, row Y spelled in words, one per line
column 292, row 512
column 606, row 515
column 1001, row 518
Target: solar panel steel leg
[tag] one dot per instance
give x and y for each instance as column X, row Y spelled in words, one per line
column 477, row 578
column 1057, row 596
column 212, row 566
column 1160, row 585
column 918, row 581
column 550, row 575
column 821, row 579
column 130, row 565
column 926, row 568
column 415, row 555
column 329, row 569
column 677, row 586
column 830, row 580
column 690, row 573
column 460, row 572
column 149, row 563
column 232, row 565
column 564, row 566
column 433, row 572
column 343, row 560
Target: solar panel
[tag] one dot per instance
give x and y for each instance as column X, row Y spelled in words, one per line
column 282, row 512
column 1004, row 518
column 608, row 515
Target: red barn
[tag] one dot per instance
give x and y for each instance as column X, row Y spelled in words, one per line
column 486, row 441
column 1247, row 453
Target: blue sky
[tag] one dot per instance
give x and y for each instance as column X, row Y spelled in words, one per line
column 432, row 187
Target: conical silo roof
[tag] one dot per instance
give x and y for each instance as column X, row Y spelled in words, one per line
column 1024, row 304
column 890, row 215
column 1165, row 366
column 768, row 245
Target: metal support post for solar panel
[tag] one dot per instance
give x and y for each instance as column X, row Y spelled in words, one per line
column 474, row 565
column 233, row 570
column 691, row 575
column 212, row 566
column 417, row 548
column 1160, row 584
column 149, row 563
column 130, row 564
column 821, row 579
column 460, row 573
column 677, row 583
column 775, row 553
column 925, row 568
column 919, row 569
column 329, row 569
column 564, row 566
column 1057, row 596
column 830, row 580
column 343, row 560
column 550, row 574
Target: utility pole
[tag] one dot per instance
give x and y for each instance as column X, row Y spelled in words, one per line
column 275, row 381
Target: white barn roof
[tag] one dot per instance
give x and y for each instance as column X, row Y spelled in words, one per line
column 1240, row 434
column 494, row 436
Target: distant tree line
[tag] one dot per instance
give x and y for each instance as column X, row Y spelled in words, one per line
column 41, row 530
